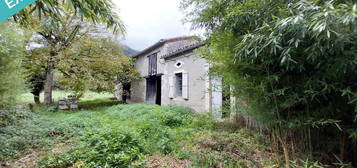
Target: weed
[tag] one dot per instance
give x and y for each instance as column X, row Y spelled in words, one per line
column 11, row 116
column 101, row 148
column 131, row 136
column 97, row 103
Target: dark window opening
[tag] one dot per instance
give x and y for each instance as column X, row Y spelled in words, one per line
column 178, row 82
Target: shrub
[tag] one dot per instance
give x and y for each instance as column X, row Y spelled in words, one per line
column 111, row 147
column 11, row 54
column 127, row 133
column 57, row 161
column 13, row 115
column 174, row 116
column 126, row 136
column 11, row 83
column 52, row 109
column 202, row 122
column 39, row 131
column 306, row 164
column 292, row 62
column 155, row 137
column 101, row 148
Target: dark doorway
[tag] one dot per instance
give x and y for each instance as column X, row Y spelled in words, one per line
column 153, row 90
column 158, row 90
column 126, row 91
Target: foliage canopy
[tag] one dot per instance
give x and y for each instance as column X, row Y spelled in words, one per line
column 96, row 11
column 11, row 54
column 96, row 64
column 293, row 62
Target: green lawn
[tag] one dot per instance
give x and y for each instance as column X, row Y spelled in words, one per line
column 137, row 135
column 28, row 97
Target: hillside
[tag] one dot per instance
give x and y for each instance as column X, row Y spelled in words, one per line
column 129, row 51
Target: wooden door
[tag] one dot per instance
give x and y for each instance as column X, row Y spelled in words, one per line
column 151, row 90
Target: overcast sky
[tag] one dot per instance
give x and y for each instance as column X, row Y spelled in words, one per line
column 148, row 21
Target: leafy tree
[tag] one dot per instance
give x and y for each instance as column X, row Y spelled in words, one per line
column 11, row 54
column 11, row 74
column 79, row 55
column 96, row 64
column 293, row 62
column 96, row 11
column 35, row 66
column 51, row 19
column 58, row 35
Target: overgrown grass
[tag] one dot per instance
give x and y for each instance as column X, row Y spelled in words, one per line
column 44, row 127
column 97, row 103
column 41, row 130
column 135, row 135
column 132, row 135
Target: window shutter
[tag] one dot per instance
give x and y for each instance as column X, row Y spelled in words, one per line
column 185, row 85
column 172, row 87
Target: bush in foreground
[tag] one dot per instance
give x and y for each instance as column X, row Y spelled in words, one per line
column 37, row 131
column 100, row 148
column 125, row 135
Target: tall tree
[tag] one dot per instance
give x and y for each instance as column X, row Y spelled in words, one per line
column 59, row 35
column 96, row 11
column 35, row 70
column 52, row 18
column 293, row 62
column 90, row 60
column 96, row 64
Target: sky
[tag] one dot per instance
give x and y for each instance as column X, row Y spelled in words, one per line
column 148, row 21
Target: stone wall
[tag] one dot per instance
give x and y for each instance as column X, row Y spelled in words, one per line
column 195, row 68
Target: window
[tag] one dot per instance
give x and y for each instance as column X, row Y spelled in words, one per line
column 178, row 83
column 152, row 64
column 178, row 86
column 178, row 64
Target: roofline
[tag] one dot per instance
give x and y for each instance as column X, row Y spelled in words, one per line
column 156, row 45
column 160, row 43
column 183, row 50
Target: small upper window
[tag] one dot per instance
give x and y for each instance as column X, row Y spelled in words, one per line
column 178, row 64
column 178, row 82
column 153, row 64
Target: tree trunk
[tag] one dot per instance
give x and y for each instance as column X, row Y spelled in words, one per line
column 36, row 98
column 36, row 94
column 286, row 155
column 49, row 81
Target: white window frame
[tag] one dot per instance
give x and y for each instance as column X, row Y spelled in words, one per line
column 185, row 87
column 178, row 91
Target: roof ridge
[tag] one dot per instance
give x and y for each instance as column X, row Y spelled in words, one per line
column 162, row 42
column 179, row 38
column 184, row 48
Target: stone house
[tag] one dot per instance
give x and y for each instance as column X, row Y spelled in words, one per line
column 173, row 73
